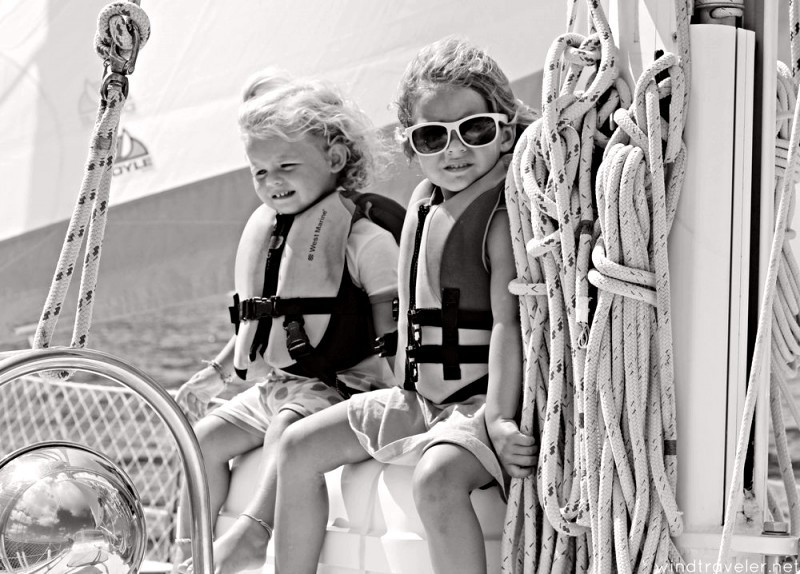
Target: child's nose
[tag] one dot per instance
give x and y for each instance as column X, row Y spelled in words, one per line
column 274, row 180
column 455, row 145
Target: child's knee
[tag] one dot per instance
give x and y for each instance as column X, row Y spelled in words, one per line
column 293, row 449
column 434, row 484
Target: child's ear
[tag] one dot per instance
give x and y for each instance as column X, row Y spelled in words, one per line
column 337, row 156
column 507, row 135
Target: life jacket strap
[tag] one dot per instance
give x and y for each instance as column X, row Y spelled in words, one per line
column 235, row 313
column 277, row 243
column 450, row 364
column 467, row 354
column 274, row 306
column 412, row 373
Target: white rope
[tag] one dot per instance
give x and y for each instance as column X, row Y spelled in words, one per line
column 90, row 212
column 601, row 469
column 629, row 390
column 549, row 196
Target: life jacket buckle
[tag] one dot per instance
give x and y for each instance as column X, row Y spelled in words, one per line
column 296, row 339
column 258, row 307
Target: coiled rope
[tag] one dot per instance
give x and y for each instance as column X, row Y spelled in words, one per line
column 630, row 403
column 592, row 504
column 549, row 195
column 779, row 313
column 123, row 27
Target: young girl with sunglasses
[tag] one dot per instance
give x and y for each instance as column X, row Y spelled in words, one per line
column 459, row 359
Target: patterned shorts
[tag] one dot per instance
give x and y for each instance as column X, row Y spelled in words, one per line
column 252, row 410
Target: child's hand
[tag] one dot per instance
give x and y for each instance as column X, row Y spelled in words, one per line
column 195, row 394
column 517, row 451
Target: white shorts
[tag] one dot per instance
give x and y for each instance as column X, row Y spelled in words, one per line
column 397, row 426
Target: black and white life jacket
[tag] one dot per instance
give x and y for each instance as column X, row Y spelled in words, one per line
column 296, row 303
column 445, row 317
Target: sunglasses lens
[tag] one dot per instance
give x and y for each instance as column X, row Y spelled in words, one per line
column 478, row 131
column 429, row 139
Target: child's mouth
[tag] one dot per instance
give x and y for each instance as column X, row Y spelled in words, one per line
column 457, row 166
column 283, row 194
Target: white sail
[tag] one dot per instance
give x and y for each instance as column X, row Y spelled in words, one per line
column 180, row 193
column 184, row 92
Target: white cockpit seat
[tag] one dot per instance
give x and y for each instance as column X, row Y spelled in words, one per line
column 373, row 525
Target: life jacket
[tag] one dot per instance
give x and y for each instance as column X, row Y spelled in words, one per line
column 445, row 315
column 310, row 320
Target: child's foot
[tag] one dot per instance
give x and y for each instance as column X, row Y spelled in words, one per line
column 243, row 547
column 182, row 550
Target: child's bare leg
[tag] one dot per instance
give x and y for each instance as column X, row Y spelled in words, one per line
column 443, row 480
column 219, row 441
column 244, row 545
column 310, row 448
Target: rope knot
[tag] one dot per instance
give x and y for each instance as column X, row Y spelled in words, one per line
column 122, row 29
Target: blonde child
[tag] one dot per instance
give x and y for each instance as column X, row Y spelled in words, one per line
column 315, row 281
column 459, row 357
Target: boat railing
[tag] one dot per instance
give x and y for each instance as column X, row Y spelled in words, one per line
column 108, row 418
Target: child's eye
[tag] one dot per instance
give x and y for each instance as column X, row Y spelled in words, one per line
column 288, row 166
column 260, row 174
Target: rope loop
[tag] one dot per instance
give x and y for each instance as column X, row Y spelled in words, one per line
column 582, row 56
column 122, row 29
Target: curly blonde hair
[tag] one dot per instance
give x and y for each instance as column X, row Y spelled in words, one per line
column 454, row 61
column 276, row 104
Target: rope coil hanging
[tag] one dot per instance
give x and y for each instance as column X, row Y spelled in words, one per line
column 123, row 28
column 589, row 507
column 629, row 361
column 550, row 209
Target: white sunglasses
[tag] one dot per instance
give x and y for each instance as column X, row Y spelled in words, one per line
column 430, row 138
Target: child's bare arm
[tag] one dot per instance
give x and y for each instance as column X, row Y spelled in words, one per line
column 376, row 263
column 382, row 318
column 384, row 323
column 516, row 450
